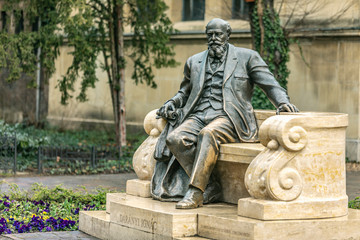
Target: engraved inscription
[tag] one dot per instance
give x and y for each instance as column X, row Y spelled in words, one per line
column 138, row 222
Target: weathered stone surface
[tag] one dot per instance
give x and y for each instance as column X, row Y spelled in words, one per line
column 121, row 232
column 143, row 159
column 112, row 197
column 138, row 187
column 298, row 209
column 231, row 227
column 138, row 218
column 231, row 166
column 147, row 215
column 304, row 162
column 95, row 223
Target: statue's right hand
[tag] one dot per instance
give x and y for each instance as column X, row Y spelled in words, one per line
column 165, row 110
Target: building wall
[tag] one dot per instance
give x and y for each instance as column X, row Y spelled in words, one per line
column 325, row 77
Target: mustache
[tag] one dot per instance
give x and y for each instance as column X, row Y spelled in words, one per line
column 215, row 42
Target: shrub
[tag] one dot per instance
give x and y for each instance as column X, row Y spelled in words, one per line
column 42, row 209
column 355, row 204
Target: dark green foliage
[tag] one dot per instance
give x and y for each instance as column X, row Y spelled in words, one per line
column 19, row 49
column 86, row 26
column 30, row 138
column 355, row 204
column 152, row 29
column 275, row 51
column 16, row 55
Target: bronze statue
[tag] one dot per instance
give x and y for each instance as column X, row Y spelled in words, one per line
column 213, row 106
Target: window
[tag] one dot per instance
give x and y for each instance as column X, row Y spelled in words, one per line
column 19, row 27
column 3, row 20
column 240, row 9
column 193, row 10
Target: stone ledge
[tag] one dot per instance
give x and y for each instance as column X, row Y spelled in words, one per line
column 120, row 232
column 155, row 217
column 113, row 197
column 298, row 209
column 137, row 187
column 95, row 223
column 232, row 227
column 239, row 152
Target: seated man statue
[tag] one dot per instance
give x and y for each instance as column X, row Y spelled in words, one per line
column 212, row 107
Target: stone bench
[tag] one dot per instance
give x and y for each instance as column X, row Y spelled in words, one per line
column 233, row 161
column 278, row 168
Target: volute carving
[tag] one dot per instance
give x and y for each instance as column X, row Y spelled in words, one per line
column 269, row 176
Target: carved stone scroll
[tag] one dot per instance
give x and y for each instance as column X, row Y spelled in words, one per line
column 268, row 176
column 143, row 159
column 303, row 165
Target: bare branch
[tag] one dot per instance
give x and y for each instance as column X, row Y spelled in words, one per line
column 281, row 5
column 291, row 15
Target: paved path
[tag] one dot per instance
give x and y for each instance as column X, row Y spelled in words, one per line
column 353, row 184
column 112, row 181
column 74, row 235
column 115, row 182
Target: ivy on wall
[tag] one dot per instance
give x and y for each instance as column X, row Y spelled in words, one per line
column 271, row 42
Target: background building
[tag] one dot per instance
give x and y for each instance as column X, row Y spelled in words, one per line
column 324, row 63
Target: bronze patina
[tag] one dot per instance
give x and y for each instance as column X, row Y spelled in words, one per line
column 212, row 107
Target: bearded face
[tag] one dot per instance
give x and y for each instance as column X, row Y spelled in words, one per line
column 217, row 40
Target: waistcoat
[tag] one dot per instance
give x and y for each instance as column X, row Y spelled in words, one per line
column 212, row 90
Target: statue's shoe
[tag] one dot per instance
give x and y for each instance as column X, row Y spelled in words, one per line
column 192, row 199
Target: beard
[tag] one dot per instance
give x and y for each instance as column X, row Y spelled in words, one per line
column 217, row 49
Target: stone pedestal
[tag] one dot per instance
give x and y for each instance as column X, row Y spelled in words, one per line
column 130, row 217
column 289, row 187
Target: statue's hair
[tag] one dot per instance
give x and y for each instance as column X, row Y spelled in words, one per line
column 228, row 28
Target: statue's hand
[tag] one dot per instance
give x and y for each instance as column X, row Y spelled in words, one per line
column 165, row 110
column 286, row 107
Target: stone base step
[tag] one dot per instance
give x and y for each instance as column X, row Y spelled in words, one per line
column 137, row 218
column 159, row 218
column 95, row 223
column 234, row 227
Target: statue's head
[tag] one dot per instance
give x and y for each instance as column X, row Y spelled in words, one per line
column 218, row 32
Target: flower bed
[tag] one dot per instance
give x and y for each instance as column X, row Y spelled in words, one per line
column 42, row 209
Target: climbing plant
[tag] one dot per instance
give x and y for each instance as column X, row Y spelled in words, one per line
column 271, row 42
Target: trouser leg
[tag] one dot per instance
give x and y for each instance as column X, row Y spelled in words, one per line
column 182, row 142
column 218, row 131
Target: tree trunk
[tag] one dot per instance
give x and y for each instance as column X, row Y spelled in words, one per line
column 117, row 65
column 121, row 68
column 114, row 85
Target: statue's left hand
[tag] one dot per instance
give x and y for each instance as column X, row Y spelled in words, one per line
column 286, row 107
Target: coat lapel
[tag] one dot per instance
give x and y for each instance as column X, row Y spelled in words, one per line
column 231, row 62
column 198, row 80
column 202, row 63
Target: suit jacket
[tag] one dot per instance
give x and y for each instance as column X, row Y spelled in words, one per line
column 243, row 69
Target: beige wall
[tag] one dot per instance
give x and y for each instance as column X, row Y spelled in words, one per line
column 330, row 82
